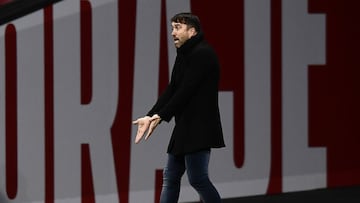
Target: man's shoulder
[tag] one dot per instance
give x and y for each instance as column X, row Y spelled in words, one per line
column 204, row 48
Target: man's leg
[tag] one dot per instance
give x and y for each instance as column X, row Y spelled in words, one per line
column 173, row 172
column 197, row 170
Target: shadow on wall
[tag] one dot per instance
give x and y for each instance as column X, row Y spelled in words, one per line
column 3, row 198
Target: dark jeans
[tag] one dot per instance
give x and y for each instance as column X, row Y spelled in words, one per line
column 196, row 165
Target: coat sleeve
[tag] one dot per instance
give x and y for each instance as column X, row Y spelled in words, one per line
column 201, row 64
column 162, row 100
column 165, row 96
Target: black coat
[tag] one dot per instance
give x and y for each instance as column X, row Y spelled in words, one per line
column 192, row 97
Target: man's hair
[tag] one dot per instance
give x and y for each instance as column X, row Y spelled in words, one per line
column 189, row 19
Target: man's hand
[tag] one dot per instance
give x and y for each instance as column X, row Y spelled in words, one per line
column 154, row 122
column 143, row 124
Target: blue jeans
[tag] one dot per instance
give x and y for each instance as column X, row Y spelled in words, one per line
column 196, row 165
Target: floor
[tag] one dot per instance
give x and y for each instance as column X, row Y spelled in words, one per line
column 334, row 195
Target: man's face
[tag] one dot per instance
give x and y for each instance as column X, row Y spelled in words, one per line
column 181, row 33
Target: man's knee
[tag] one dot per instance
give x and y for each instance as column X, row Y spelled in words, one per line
column 198, row 181
column 171, row 177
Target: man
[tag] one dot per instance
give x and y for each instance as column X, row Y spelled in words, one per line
column 192, row 98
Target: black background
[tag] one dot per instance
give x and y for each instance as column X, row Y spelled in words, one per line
column 17, row 8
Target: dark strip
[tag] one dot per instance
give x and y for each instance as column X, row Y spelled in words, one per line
column 86, row 51
column 158, row 184
column 87, row 185
column 49, row 103
column 164, row 59
column 121, row 129
column 275, row 182
column 11, row 111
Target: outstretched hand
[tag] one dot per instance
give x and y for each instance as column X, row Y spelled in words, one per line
column 154, row 122
column 146, row 123
column 143, row 124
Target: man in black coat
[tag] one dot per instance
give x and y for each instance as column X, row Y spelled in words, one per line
column 192, row 98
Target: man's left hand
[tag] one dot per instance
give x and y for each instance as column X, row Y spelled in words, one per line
column 154, row 122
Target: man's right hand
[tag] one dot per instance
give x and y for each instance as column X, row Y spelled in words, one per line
column 143, row 125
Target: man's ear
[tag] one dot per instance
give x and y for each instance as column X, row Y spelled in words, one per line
column 192, row 31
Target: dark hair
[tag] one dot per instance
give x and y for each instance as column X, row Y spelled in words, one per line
column 189, row 19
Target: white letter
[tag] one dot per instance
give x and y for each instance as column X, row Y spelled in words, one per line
column 30, row 110
column 303, row 44
column 76, row 124
column 253, row 177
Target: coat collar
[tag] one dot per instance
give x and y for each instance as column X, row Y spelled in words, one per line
column 190, row 43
